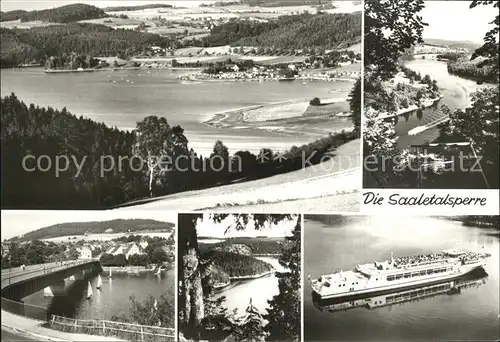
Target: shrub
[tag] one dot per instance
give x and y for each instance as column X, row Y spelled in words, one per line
column 315, row 102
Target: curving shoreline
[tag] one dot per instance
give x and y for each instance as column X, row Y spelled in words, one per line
column 425, row 104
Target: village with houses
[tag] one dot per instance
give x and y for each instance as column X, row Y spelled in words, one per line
column 121, row 250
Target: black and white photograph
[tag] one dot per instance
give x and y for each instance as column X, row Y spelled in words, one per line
column 181, row 105
column 239, row 277
column 401, row 278
column 431, row 103
column 88, row 276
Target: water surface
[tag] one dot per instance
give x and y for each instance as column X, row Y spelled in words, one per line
column 112, row 299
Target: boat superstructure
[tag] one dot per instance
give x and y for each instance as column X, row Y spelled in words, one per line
column 397, row 273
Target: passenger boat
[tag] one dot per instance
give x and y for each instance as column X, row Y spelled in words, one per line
column 416, row 293
column 398, row 273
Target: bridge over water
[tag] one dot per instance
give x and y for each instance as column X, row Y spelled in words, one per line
column 18, row 283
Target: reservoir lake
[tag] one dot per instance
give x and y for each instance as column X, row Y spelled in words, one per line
column 112, row 299
column 124, row 97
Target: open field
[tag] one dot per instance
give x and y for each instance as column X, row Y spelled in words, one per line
column 25, row 25
column 114, row 22
column 335, row 179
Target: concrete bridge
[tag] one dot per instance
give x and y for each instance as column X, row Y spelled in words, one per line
column 18, row 283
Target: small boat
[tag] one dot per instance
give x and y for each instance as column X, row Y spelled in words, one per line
column 89, row 291
column 110, row 273
column 99, row 282
column 158, row 272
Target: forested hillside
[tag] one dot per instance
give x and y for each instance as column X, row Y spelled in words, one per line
column 290, row 32
column 258, row 245
column 29, row 130
column 80, row 228
column 236, row 265
column 63, row 14
column 23, row 46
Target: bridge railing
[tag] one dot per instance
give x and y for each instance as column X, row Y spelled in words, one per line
column 19, row 275
column 121, row 330
column 26, row 310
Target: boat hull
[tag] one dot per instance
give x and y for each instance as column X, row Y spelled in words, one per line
column 464, row 269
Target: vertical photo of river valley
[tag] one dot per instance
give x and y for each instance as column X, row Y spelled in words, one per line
column 239, row 277
column 431, row 102
column 181, row 106
column 89, row 276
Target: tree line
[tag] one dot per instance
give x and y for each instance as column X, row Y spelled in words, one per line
column 64, row 14
column 289, row 32
column 24, row 46
column 465, row 68
column 81, row 228
column 37, row 252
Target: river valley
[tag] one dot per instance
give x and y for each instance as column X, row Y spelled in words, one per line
column 456, row 93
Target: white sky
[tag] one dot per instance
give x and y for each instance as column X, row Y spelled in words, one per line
column 454, row 20
column 9, row 5
column 18, row 222
column 208, row 228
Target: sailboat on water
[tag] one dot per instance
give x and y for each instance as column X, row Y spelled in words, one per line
column 110, row 273
column 99, row 282
column 47, row 292
column 89, row 291
column 158, row 272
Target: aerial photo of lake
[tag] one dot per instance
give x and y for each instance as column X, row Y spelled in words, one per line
column 466, row 308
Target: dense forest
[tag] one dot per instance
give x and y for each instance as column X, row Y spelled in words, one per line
column 237, row 265
column 88, row 181
column 289, row 32
column 72, row 62
column 258, row 245
column 281, row 3
column 466, row 68
column 29, row 130
column 80, row 228
column 24, row 46
column 64, row 14
column 135, row 8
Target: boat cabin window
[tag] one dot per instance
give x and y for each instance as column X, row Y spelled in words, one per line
column 407, row 275
column 430, row 271
column 391, row 278
column 415, row 274
column 422, row 272
column 399, row 276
